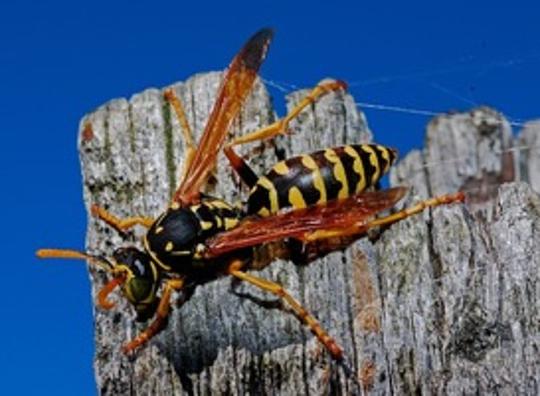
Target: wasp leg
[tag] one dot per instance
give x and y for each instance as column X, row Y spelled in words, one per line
column 173, row 100
column 161, row 316
column 357, row 229
column 118, row 224
column 301, row 313
column 279, row 127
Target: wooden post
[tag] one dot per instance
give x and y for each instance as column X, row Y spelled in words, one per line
column 445, row 302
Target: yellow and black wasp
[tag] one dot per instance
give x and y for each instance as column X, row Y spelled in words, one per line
column 310, row 204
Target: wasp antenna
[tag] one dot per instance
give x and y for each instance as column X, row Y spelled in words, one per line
column 75, row 254
column 60, row 253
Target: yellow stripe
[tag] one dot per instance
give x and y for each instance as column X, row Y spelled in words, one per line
column 126, row 289
column 153, row 255
column 272, row 193
column 263, row 212
column 219, row 223
column 295, row 198
column 374, row 161
column 309, row 162
column 123, row 267
column 198, row 249
column 281, row 168
column 218, row 204
column 230, row 222
column 169, row 246
column 339, row 172
column 206, row 225
column 358, row 168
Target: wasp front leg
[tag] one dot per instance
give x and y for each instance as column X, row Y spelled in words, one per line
column 120, row 225
column 160, row 320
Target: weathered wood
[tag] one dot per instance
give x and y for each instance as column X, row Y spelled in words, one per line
column 463, row 282
column 443, row 302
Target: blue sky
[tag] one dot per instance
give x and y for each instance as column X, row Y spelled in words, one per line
column 60, row 59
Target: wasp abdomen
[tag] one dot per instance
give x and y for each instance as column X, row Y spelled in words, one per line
column 319, row 177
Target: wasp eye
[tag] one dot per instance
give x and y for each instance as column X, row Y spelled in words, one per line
column 139, row 265
column 133, row 258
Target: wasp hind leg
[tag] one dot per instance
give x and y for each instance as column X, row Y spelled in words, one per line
column 160, row 320
column 358, row 229
column 279, row 127
column 120, row 225
column 301, row 313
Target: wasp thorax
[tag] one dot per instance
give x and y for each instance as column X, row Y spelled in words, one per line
column 175, row 240
column 172, row 238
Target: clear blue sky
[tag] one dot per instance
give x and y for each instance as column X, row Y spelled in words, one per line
column 60, row 59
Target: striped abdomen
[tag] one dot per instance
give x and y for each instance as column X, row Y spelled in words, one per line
column 322, row 176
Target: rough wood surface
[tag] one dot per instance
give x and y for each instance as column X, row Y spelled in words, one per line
column 445, row 302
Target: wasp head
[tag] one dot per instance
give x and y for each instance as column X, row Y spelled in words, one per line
column 139, row 278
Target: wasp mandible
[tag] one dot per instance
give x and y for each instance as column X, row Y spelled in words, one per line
column 310, row 204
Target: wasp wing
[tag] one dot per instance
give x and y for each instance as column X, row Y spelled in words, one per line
column 234, row 89
column 351, row 213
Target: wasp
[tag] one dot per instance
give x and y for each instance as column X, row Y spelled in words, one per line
column 307, row 205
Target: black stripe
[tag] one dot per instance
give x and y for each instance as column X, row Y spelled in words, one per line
column 353, row 178
column 383, row 163
column 369, row 170
column 331, row 184
column 258, row 198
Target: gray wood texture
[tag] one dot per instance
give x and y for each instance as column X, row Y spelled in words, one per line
column 445, row 302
